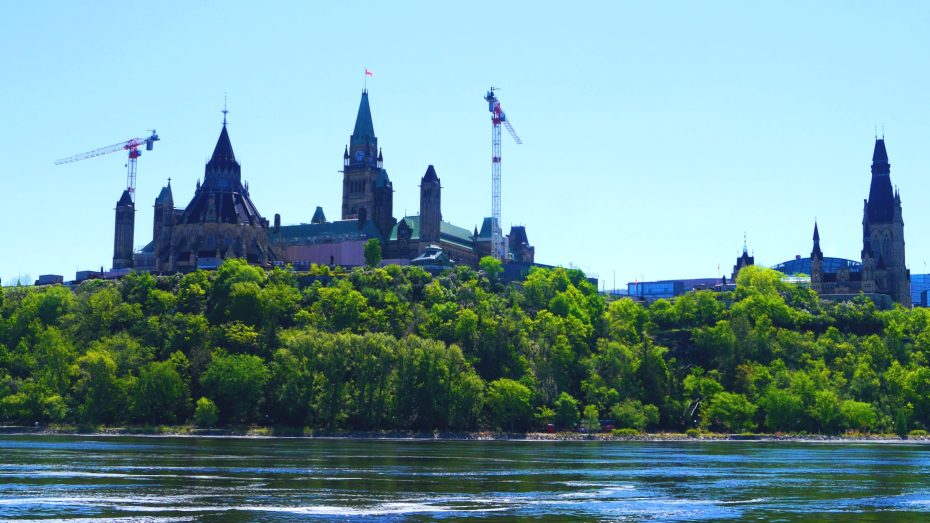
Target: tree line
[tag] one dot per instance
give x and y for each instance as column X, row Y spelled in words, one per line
column 397, row 348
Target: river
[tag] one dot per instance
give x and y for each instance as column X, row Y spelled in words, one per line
column 155, row 479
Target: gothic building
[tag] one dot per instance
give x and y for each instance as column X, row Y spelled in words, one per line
column 367, row 212
column 884, row 271
column 220, row 221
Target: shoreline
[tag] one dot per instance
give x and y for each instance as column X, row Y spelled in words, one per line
column 272, row 433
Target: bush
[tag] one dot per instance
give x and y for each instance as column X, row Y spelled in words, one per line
column 693, row 433
column 625, row 432
column 206, row 415
column 917, row 433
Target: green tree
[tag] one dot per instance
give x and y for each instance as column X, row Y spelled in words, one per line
column 632, row 414
column 236, row 382
column 373, row 252
column 591, row 421
column 858, row 415
column 566, row 411
column 509, row 404
column 491, row 267
column 97, row 390
column 732, row 412
column 206, row 414
column 160, row 395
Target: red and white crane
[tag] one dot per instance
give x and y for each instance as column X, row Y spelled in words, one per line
column 131, row 146
column 497, row 118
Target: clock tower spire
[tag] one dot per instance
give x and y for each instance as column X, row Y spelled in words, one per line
column 362, row 168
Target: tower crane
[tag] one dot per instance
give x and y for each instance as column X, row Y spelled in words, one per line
column 497, row 118
column 131, row 146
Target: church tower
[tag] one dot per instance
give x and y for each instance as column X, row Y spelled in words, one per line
column 361, row 166
column 124, row 231
column 162, row 225
column 883, row 234
column 816, row 263
column 430, row 205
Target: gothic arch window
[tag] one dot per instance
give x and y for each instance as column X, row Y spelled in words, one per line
column 886, row 244
column 875, row 243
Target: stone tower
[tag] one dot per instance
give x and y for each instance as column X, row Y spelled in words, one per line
column 162, row 224
column 124, row 231
column 383, row 202
column 816, row 263
column 430, row 205
column 361, row 166
column 883, row 263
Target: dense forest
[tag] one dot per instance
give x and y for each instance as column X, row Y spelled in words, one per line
column 395, row 348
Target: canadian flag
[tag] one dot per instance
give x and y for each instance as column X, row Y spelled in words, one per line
column 368, row 73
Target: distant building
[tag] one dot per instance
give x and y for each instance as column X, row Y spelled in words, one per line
column 883, row 270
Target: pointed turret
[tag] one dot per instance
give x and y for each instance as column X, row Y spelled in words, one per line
column 881, row 195
column 318, row 216
column 430, row 206
column 816, row 253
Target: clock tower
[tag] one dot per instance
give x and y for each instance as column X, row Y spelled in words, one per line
column 362, row 165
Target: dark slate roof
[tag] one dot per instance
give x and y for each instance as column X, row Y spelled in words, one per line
column 318, row 216
column 518, row 235
column 485, row 233
column 433, row 255
column 364, row 128
column 325, row 232
column 447, row 232
column 880, row 208
column 165, row 195
column 223, row 152
column 221, row 207
column 430, row 175
column 222, row 198
column 125, row 200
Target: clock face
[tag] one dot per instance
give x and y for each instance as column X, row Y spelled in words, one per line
column 359, row 155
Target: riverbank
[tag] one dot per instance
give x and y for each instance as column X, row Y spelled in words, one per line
column 277, row 432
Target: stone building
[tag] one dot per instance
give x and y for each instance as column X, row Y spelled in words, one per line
column 367, row 212
column 220, row 221
column 883, row 271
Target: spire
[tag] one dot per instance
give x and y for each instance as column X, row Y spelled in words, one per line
column 223, row 152
column 364, row 129
column 745, row 249
column 880, row 163
column 816, row 253
column 430, row 175
column 880, row 207
column 345, row 155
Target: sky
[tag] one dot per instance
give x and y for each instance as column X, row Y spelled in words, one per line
column 655, row 134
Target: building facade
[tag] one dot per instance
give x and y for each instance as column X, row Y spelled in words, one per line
column 883, row 270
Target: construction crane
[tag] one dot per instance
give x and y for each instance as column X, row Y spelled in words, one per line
column 131, row 146
column 497, row 118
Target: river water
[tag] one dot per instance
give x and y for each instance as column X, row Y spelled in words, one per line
column 154, row 479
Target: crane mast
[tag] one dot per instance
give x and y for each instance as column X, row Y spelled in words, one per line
column 131, row 146
column 498, row 117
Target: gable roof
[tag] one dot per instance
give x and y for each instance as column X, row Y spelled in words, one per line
column 447, row 232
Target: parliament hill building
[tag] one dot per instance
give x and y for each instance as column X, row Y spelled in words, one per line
column 221, row 222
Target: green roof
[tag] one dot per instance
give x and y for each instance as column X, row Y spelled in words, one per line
column 447, row 232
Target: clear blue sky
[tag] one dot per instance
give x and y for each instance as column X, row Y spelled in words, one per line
column 654, row 134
